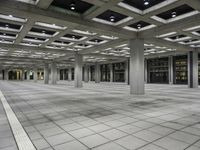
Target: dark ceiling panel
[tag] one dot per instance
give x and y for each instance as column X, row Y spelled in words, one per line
column 139, row 4
column 80, row 6
column 61, row 42
column 8, row 34
column 107, row 14
column 198, row 31
column 85, row 45
column 183, row 9
column 140, row 24
column 192, row 40
column 13, row 26
column 35, row 38
column 73, row 36
column 42, row 31
column 96, row 40
column 177, row 37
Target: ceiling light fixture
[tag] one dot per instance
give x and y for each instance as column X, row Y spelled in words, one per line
column 112, row 18
column 146, row 2
column 139, row 26
column 10, row 15
column 173, row 14
column 72, row 6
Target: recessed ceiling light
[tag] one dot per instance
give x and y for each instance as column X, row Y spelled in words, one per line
column 7, row 25
column 146, row 2
column 72, row 6
column 173, row 14
column 112, row 18
column 139, row 26
column 10, row 15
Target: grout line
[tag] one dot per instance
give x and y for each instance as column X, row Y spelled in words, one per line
column 21, row 137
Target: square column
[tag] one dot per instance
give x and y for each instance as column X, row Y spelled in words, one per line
column 137, row 66
column 193, row 69
column 111, row 72
column 28, row 75
column 97, row 73
column 171, row 70
column 22, row 75
column 126, row 72
column 46, row 73
column 6, row 74
column 145, row 71
column 53, row 73
column 89, row 70
column 78, row 70
column 35, row 74
column 1, row 75
column 86, row 73
column 58, row 74
column 69, row 74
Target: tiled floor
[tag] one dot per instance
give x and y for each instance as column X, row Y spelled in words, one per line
column 103, row 116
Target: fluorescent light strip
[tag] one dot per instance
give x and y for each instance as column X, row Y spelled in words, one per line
column 71, row 39
column 12, row 18
column 34, row 40
column 62, row 44
column 196, row 33
column 112, row 23
column 84, row 32
column 30, row 44
column 192, row 28
column 53, row 26
column 167, row 34
column 41, row 34
column 179, row 39
column 109, row 37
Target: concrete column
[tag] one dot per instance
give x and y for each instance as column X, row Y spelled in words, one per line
column 97, row 73
column 6, row 74
column 111, row 72
column 63, row 74
column 126, row 72
column 145, row 71
column 53, row 73
column 171, row 70
column 46, row 73
column 89, row 70
column 69, row 74
column 58, row 74
column 78, row 70
column 35, row 70
column 193, row 69
column 28, row 75
column 86, row 73
column 1, row 75
column 136, row 66
column 22, row 77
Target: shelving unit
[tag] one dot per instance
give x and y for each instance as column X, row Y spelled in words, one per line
column 180, row 70
column 119, row 72
column 158, row 70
